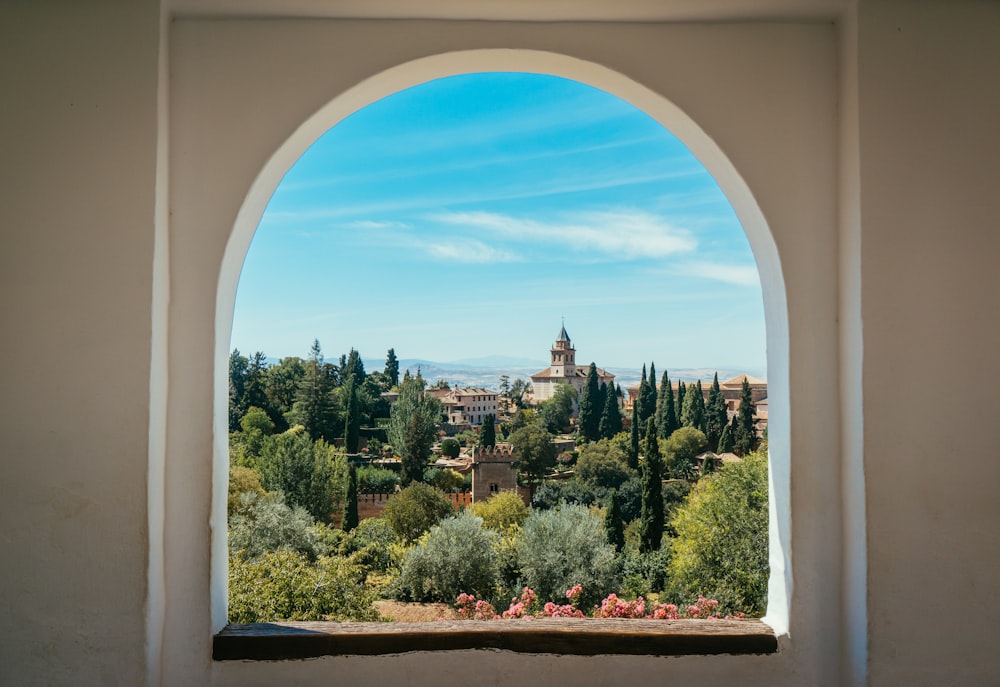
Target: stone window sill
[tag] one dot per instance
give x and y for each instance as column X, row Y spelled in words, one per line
column 568, row 636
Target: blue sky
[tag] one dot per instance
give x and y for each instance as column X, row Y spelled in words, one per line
column 466, row 216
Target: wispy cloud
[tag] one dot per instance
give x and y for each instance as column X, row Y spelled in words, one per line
column 738, row 275
column 623, row 235
column 468, row 251
column 376, row 225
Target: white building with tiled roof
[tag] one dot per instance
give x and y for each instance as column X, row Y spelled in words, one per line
column 563, row 370
column 467, row 405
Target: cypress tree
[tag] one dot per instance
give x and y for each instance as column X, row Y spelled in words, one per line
column 392, row 367
column 611, row 415
column 591, row 406
column 715, row 414
column 693, row 414
column 679, row 405
column 614, row 527
column 708, row 464
column 651, row 516
column 726, row 440
column 633, row 455
column 488, row 433
column 352, row 416
column 350, row 519
column 647, row 401
column 745, row 439
column 666, row 419
column 652, row 387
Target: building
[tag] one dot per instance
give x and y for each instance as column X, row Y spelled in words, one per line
column 493, row 470
column 140, row 141
column 467, row 405
column 563, row 370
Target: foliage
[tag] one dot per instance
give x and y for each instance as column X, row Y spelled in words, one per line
column 352, row 414
column 693, row 412
column 488, row 432
column 392, row 367
column 683, row 448
column 726, row 444
column 281, row 382
column 415, row 510
column 646, row 403
column 263, row 523
column 314, row 406
column 614, row 527
column 502, row 511
column 536, row 454
column 350, row 518
column 611, row 415
column 311, row 474
column 457, row 555
column 666, row 415
column 557, row 411
column 285, row 585
column 551, row 493
column 633, row 446
column 450, row 448
column 520, row 390
column 645, row 572
column 445, row 479
column 602, row 464
column 242, row 480
column 563, row 547
column 721, row 545
column 412, row 427
column 373, row 544
column 745, row 436
column 591, row 406
column 372, row 480
column 716, row 417
column 651, row 519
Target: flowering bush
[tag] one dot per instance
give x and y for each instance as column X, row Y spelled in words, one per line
column 611, row 607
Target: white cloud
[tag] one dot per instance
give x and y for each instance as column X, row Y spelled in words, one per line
column 739, row 275
column 376, row 225
column 468, row 251
column 622, row 235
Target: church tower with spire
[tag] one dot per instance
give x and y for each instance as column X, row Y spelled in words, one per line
column 563, row 362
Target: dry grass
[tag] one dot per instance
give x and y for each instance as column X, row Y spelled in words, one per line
column 400, row 612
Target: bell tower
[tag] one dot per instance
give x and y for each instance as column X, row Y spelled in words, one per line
column 563, row 355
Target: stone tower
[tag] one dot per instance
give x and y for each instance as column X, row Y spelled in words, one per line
column 563, row 356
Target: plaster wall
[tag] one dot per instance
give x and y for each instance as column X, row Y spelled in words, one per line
column 929, row 169
column 756, row 102
column 78, row 131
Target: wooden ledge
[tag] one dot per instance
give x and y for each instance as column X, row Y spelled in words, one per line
column 569, row 636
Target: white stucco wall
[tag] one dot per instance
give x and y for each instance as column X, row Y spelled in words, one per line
column 871, row 148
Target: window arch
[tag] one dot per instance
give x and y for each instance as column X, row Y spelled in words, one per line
column 656, row 106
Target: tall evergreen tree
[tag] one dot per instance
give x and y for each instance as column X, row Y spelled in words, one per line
column 647, row 401
column 745, row 439
column 590, row 410
column 726, row 440
column 633, row 454
column 666, row 418
column 651, row 514
column 679, row 403
column 614, row 526
column 693, row 414
column 352, row 415
column 488, row 432
column 350, row 519
column 715, row 414
column 314, row 406
column 652, row 387
column 412, row 428
column 611, row 415
column 352, row 365
column 392, row 367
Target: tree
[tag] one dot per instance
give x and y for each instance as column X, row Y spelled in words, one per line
column 502, row 512
column 557, row 411
column 392, row 367
column 652, row 387
column 614, row 527
column 350, row 519
column 458, row 556
column 602, row 464
column 716, row 418
column 666, row 418
column 682, row 449
column 679, row 405
column 745, row 439
column 519, row 390
column 651, row 517
column 488, row 432
column 611, row 415
column 314, row 406
column 647, row 401
column 352, row 415
column 264, row 522
column 416, row 509
column 591, row 406
column 504, row 393
column 633, row 454
column 238, row 365
column 693, row 414
column 281, row 383
column 721, row 545
column 563, row 547
column 450, row 448
column 726, row 441
column 413, row 427
column 536, row 454
column 351, row 364
column 308, row 472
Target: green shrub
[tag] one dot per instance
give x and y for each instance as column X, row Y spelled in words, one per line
column 372, row 480
column 502, row 511
column 416, row 509
column 265, row 523
column 643, row 573
column 285, row 585
column 603, row 464
column 563, row 547
column 450, row 448
column 372, row 544
column 456, row 556
column 241, row 481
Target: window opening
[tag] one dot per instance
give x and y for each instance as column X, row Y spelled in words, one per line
column 476, row 179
